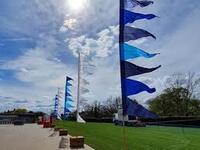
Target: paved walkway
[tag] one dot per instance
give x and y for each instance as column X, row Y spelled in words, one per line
column 32, row 137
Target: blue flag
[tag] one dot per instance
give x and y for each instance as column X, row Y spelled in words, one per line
column 130, row 69
column 131, row 33
column 68, row 90
column 135, row 109
column 69, row 105
column 144, row 3
column 134, row 3
column 67, row 110
column 130, row 17
column 69, row 99
column 131, row 52
column 69, row 79
column 68, row 94
column 134, row 87
column 68, row 84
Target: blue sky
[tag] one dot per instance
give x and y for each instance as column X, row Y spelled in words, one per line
column 39, row 41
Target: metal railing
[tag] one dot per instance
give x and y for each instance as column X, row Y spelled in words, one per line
column 5, row 122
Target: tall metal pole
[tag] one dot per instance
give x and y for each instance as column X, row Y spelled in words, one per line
column 122, row 65
column 78, row 87
column 121, row 53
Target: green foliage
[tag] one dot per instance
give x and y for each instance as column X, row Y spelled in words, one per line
column 20, row 111
column 16, row 111
column 103, row 136
column 179, row 98
column 175, row 102
column 101, row 109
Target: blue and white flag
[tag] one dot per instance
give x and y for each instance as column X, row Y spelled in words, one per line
column 67, row 99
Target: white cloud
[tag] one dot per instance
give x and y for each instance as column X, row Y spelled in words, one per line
column 103, row 45
column 41, row 73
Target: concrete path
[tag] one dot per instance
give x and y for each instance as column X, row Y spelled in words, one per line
column 32, row 137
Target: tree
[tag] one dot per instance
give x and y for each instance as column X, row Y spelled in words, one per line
column 102, row 109
column 188, row 81
column 20, row 111
column 178, row 99
column 171, row 102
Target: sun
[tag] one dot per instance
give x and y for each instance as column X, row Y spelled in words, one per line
column 76, row 5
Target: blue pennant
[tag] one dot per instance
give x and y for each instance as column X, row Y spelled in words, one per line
column 135, row 109
column 68, row 84
column 69, row 99
column 130, row 17
column 68, row 90
column 133, row 87
column 130, row 69
column 143, row 3
column 67, row 110
column 68, row 79
column 131, row 52
column 68, row 94
column 131, row 33
column 69, row 105
column 134, row 3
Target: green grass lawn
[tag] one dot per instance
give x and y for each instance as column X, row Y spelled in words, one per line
column 104, row 136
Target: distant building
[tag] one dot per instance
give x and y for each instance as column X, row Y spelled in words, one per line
column 26, row 117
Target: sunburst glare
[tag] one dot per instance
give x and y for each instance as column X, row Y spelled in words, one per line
column 77, row 5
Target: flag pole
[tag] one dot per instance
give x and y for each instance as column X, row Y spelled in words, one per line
column 122, row 65
column 78, row 87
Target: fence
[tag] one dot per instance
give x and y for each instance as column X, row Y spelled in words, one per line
column 5, row 122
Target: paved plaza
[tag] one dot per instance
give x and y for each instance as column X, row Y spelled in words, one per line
column 32, row 137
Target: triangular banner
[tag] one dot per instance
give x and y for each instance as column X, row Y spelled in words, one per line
column 131, row 52
column 135, row 109
column 69, row 105
column 131, row 33
column 69, row 79
column 69, row 99
column 68, row 90
column 130, row 17
column 68, row 84
column 130, row 69
column 134, row 3
column 133, row 87
column 68, row 94
column 67, row 110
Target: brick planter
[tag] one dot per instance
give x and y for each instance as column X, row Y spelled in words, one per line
column 47, row 125
column 63, row 132
column 40, row 123
column 57, row 129
column 77, row 142
column 53, row 126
